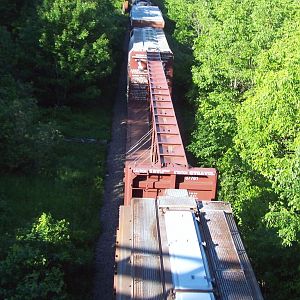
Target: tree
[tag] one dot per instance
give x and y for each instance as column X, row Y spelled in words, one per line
column 269, row 128
column 24, row 141
column 71, row 49
column 33, row 268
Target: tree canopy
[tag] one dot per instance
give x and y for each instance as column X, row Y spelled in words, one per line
column 53, row 54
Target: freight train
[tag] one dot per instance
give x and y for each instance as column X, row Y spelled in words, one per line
column 173, row 241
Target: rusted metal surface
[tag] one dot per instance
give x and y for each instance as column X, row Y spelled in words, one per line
column 146, row 256
column 122, row 284
column 143, row 267
column 151, row 115
column 245, row 262
column 148, row 181
column 235, row 279
column 138, row 125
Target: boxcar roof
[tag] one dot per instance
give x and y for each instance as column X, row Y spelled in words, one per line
column 148, row 39
column 197, row 244
column 146, row 13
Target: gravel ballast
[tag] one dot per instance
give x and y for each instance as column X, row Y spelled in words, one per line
column 113, row 192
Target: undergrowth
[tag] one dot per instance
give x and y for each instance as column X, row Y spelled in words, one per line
column 69, row 188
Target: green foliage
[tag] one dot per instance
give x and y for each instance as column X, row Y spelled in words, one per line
column 215, row 126
column 53, row 52
column 69, row 35
column 189, row 19
column 7, row 52
column 46, row 230
column 70, row 189
column 71, row 44
column 25, row 142
column 33, row 266
column 10, row 10
column 268, row 122
column 284, row 214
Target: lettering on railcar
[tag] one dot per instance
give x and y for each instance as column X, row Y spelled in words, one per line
column 139, row 170
column 191, row 178
column 137, row 72
column 159, row 171
column 201, row 173
column 181, row 172
column 193, row 194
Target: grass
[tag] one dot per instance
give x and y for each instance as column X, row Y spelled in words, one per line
column 82, row 122
column 71, row 189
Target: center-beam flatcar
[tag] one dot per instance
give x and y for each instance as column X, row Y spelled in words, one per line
column 173, row 242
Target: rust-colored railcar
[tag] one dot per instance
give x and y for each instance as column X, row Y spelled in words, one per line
column 156, row 158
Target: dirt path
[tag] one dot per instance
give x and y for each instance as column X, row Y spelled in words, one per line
column 113, row 193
